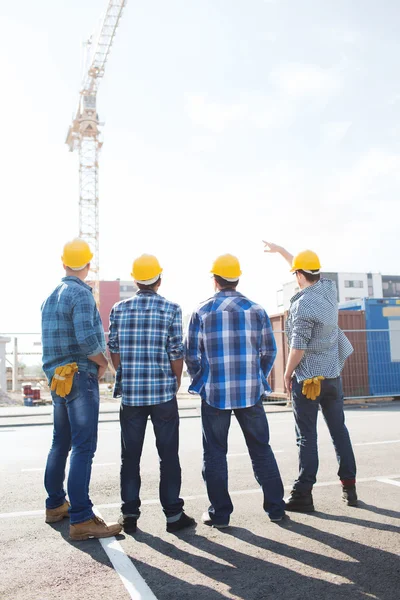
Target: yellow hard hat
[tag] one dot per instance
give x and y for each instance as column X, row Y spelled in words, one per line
column 146, row 269
column 76, row 254
column 227, row 266
column 306, row 261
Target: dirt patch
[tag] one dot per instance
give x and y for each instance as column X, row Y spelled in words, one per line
column 10, row 400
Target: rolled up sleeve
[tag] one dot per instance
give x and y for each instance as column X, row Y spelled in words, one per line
column 113, row 341
column 83, row 313
column 268, row 346
column 175, row 335
column 301, row 333
column 192, row 346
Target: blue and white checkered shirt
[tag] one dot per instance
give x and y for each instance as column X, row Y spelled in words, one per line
column 312, row 325
column 71, row 327
column 146, row 331
column 229, row 351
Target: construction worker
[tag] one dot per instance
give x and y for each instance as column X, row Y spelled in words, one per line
column 74, row 361
column 146, row 349
column 318, row 350
column 229, row 353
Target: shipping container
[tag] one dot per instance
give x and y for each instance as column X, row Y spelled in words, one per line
column 382, row 318
column 355, row 376
column 355, row 372
column 277, row 380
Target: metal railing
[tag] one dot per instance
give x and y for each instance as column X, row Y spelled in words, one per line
column 372, row 371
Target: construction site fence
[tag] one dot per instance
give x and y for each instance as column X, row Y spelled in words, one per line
column 373, row 370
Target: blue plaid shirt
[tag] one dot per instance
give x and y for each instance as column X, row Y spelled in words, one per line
column 71, row 327
column 146, row 331
column 229, row 351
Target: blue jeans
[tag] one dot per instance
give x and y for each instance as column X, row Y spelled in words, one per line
column 254, row 424
column 75, row 427
column 305, row 414
column 165, row 419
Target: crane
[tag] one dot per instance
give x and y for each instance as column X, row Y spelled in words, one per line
column 84, row 135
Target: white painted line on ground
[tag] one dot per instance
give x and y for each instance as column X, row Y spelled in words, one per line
column 26, row 513
column 349, row 415
column 370, row 415
column 377, row 443
column 134, row 583
column 31, row 470
column 36, row 513
column 238, row 454
column 247, row 454
column 386, row 480
column 94, row 465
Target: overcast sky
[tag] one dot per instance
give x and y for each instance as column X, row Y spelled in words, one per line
column 226, row 121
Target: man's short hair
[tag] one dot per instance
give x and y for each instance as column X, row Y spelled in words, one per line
column 224, row 283
column 310, row 277
column 142, row 286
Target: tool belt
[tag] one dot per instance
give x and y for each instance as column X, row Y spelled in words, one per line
column 63, row 378
column 312, row 387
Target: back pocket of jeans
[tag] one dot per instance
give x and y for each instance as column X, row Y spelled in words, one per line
column 74, row 393
column 167, row 411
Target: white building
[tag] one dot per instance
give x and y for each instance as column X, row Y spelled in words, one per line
column 350, row 286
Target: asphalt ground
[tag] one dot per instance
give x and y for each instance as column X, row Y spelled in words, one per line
column 336, row 552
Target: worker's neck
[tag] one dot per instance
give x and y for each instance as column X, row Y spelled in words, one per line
column 79, row 274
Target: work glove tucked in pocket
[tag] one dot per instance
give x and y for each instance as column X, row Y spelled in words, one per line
column 312, row 387
column 63, row 378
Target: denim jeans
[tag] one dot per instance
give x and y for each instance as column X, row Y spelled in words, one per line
column 165, row 419
column 75, row 427
column 254, row 424
column 305, row 414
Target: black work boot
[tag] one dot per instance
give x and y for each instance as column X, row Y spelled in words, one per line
column 300, row 502
column 182, row 523
column 349, row 495
column 128, row 523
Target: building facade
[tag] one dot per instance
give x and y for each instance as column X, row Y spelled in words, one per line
column 112, row 292
column 350, row 286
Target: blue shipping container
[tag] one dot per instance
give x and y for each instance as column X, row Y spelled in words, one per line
column 382, row 318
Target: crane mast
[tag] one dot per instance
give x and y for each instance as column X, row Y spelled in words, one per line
column 84, row 136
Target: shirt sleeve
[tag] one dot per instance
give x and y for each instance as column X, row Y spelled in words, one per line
column 113, row 341
column 301, row 333
column 345, row 348
column 192, row 346
column 302, row 327
column 175, row 342
column 83, row 313
column 268, row 346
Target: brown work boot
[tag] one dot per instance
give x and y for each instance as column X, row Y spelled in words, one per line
column 53, row 515
column 94, row 528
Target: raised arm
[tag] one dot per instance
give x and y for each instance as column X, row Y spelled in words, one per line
column 271, row 248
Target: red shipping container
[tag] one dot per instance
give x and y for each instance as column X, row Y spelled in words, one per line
column 355, row 372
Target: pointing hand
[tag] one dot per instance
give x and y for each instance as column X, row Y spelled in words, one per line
column 271, row 248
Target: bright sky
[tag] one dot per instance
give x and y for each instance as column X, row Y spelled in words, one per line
column 227, row 121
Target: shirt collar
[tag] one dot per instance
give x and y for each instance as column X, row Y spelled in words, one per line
column 77, row 280
column 228, row 293
column 141, row 292
column 308, row 290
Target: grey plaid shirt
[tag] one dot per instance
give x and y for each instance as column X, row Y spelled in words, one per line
column 312, row 325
